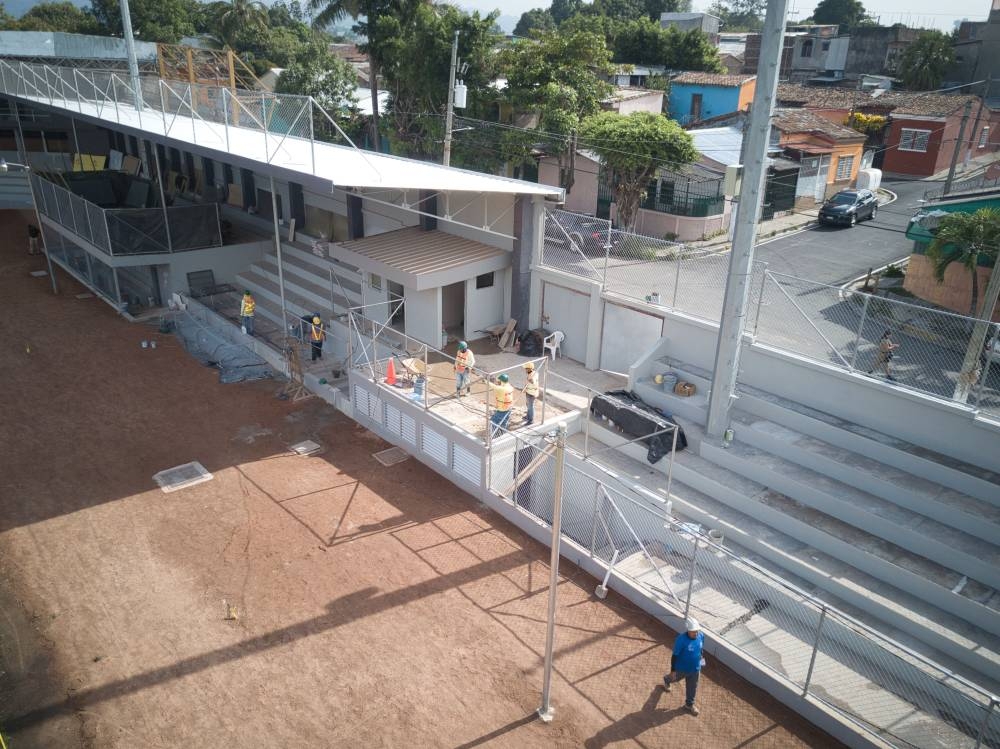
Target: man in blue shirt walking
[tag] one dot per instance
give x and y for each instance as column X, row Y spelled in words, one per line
column 686, row 662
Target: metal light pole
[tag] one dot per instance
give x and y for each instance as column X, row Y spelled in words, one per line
column 133, row 64
column 734, row 306
column 451, row 101
column 4, row 168
column 545, row 712
column 277, row 249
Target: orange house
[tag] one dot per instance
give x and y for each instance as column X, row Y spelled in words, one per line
column 829, row 154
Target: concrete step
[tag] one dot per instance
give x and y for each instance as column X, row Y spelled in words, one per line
column 296, row 267
column 306, row 287
column 693, row 408
column 918, row 534
column 814, row 567
column 947, row 506
column 350, row 279
column 265, row 288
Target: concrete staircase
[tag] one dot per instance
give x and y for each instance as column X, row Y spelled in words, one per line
column 902, row 538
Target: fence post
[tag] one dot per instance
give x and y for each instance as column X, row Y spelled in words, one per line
column 812, row 658
column 861, row 328
column 225, row 116
column 593, row 526
column 760, row 299
column 607, row 259
column 194, row 131
column 985, row 723
column 312, row 144
column 995, row 338
column 427, row 376
column 114, row 96
column 545, row 712
column 489, row 424
column 694, row 558
column 586, row 425
column 163, row 109
column 545, row 393
column 677, row 275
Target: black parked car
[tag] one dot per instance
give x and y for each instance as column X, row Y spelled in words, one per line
column 848, row 207
column 592, row 238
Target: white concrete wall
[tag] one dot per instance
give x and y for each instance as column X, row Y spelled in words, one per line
column 567, row 310
column 496, row 211
column 628, row 334
column 485, row 307
column 225, row 262
column 370, row 297
column 423, row 315
column 380, row 218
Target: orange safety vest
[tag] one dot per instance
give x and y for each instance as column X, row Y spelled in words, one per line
column 504, row 395
column 464, row 360
column 248, row 307
column 316, row 332
column 531, row 388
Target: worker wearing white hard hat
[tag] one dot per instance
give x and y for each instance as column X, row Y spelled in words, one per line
column 686, row 662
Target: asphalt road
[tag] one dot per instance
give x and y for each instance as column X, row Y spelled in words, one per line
column 836, row 255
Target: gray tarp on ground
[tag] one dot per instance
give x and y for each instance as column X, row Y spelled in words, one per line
column 215, row 348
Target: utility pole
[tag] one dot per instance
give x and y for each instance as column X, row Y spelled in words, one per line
column 133, row 64
column 451, row 101
column 958, row 148
column 545, row 712
column 734, row 306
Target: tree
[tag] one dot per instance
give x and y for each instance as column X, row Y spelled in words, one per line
column 925, row 61
column 532, row 20
column 620, row 10
column 739, row 15
column 655, row 7
column 632, row 148
column 968, row 239
column 647, row 43
column 563, row 9
column 561, row 77
column 241, row 17
column 57, row 16
column 152, row 20
column 846, row 13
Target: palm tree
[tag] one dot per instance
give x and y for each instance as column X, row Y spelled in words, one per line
column 966, row 238
column 330, row 11
column 239, row 15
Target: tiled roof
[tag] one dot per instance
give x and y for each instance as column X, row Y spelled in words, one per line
column 712, row 79
column 898, row 102
column 805, row 121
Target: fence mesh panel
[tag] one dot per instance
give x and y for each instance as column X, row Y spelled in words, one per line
column 576, row 244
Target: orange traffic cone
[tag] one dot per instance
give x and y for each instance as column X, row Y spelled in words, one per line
column 390, row 373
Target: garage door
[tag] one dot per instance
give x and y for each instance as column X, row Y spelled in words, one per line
column 567, row 310
column 627, row 335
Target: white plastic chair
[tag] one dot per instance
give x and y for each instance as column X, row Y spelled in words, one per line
column 552, row 343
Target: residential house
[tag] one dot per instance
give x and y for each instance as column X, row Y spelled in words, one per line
column 977, row 50
column 630, row 100
column 877, row 50
column 732, row 63
column 703, row 22
column 955, row 291
column 818, row 53
column 636, row 76
column 829, row 154
column 751, row 55
column 921, row 128
column 699, row 96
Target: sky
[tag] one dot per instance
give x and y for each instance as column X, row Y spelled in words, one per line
column 922, row 13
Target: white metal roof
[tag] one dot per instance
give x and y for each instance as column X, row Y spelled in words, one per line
column 720, row 144
column 342, row 166
column 421, row 259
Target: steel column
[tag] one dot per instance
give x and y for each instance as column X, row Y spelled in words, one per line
column 545, row 712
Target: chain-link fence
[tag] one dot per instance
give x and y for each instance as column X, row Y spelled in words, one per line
column 817, row 650
column 936, row 352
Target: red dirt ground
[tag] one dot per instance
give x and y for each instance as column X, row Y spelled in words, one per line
column 377, row 607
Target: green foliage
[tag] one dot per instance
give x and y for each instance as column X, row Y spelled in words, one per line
column 739, row 15
column 967, row 239
column 54, row 16
column 563, row 9
column 925, row 61
column 536, row 19
column 152, row 20
column 647, row 43
column 893, row 271
column 848, row 14
column 632, row 147
column 620, row 10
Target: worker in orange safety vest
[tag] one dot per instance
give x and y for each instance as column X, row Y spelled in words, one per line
column 247, row 307
column 464, row 362
column 316, row 337
column 503, row 399
column 531, row 391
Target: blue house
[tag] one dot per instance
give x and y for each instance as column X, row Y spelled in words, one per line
column 701, row 96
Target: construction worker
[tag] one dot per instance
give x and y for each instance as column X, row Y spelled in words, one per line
column 464, row 362
column 316, row 337
column 247, row 308
column 503, row 398
column 34, row 240
column 530, row 392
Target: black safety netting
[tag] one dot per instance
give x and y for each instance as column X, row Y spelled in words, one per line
column 236, row 362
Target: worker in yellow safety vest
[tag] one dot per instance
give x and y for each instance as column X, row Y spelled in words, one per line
column 464, row 362
column 247, row 307
column 503, row 398
column 530, row 391
column 316, row 337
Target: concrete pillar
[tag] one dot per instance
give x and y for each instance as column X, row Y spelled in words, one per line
column 595, row 326
column 529, row 232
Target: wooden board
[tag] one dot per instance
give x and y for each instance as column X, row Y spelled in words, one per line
column 508, row 333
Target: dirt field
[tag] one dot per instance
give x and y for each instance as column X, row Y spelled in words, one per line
column 377, row 607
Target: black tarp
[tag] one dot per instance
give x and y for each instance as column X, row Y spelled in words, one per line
column 637, row 418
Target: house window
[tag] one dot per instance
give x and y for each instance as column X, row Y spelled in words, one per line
column 807, row 48
column 983, row 137
column 375, row 281
column 914, row 140
column 485, row 281
column 844, row 166
column 825, row 46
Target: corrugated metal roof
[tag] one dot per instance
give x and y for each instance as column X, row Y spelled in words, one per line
column 417, row 252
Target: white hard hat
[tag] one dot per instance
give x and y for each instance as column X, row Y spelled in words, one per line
column 692, row 625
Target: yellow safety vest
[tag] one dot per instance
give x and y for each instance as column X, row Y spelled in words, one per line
column 464, row 360
column 316, row 332
column 532, row 387
column 248, row 307
column 504, row 395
